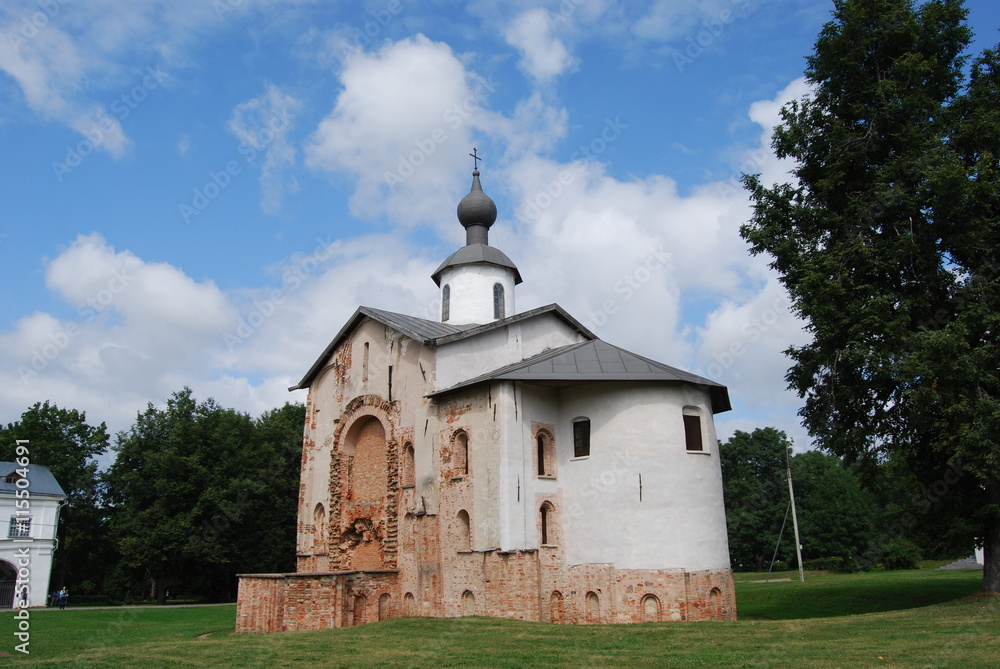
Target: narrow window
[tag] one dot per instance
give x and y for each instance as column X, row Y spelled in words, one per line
column 468, row 603
column 544, row 513
column 385, row 606
column 409, row 467
column 359, row 609
column 461, row 455
column 581, row 438
column 593, row 608
column 650, row 609
column 692, row 433
column 464, row 531
column 445, row 303
column 498, row 305
column 541, row 455
column 364, row 366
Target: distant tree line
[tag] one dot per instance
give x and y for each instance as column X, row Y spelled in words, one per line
column 196, row 494
column 848, row 519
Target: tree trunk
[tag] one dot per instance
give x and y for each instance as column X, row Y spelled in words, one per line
column 991, row 546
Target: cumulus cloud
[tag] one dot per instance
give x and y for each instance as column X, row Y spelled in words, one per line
column 401, row 126
column 543, row 55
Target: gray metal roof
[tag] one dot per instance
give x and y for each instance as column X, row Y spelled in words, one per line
column 591, row 361
column 41, row 482
column 432, row 333
column 477, row 253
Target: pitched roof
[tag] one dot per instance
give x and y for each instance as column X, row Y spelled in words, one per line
column 41, row 482
column 595, row 360
column 431, row 333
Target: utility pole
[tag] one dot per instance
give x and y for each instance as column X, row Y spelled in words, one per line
column 795, row 520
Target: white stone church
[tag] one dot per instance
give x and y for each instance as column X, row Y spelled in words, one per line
column 502, row 464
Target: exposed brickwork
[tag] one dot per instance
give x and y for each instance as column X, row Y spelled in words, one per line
column 385, row 545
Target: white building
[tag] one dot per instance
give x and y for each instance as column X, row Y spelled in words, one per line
column 30, row 498
column 499, row 463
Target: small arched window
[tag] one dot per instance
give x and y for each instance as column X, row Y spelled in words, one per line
column 409, row 467
column 464, row 531
column 545, row 453
column 461, row 454
column 650, row 609
column 445, row 303
column 693, row 440
column 547, row 526
column 498, row 301
column 593, row 608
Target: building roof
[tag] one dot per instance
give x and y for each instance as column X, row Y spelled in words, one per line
column 431, row 333
column 41, row 482
column 477, row 254
column 591, row 361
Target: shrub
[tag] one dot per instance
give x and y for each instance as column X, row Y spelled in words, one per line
column 901, row 554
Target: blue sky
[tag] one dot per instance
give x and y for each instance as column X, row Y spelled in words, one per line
column 201, row 192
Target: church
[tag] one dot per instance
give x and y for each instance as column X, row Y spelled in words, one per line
column 498, row 463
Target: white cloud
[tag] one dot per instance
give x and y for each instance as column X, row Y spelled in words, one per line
column 402, row 126
column 543, row 56
column 262, row 124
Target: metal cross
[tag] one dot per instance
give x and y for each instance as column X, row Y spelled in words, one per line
column 475, row 159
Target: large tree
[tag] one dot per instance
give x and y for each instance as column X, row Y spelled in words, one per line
column 834, row 513
column 63, row 441
column 201, row 493
column 887, row 243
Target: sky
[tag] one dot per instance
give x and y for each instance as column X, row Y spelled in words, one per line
column 201, row 192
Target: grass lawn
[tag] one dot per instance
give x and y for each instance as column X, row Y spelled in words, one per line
column 923, row 618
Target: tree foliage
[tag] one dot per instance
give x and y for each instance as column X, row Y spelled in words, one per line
column 835, row 515
column 201, row 493
column 63, row 441
column 887, row 243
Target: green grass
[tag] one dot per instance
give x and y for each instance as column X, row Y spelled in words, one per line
column 895, row 619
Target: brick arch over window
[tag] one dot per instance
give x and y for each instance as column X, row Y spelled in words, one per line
column 359, row 609
column 557, row 613
column 463, row 531
column 593, row 608
column 364, row 483
column 319, row 529
column 650, row 608
column 385, row 606
column 548, row 525
column 545, row 452
column 460, row 464
column 468, row 603
column 408, row 476
column 715, row 603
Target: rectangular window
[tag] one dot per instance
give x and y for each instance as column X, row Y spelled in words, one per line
column 20, row 528
column 581, row 438
column 692, row 433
